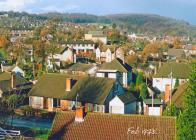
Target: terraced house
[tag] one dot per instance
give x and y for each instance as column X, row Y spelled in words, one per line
column 61, row 91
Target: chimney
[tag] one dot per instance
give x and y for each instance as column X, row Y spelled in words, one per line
column 13, row 81
column 167, row 92
column 79, row 117
column 68, row 84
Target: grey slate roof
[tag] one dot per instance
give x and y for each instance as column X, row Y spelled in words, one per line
column 127, row 98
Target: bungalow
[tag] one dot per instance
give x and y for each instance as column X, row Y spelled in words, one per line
column 117, row 70
column 76, row 125
column 61, row 91
column 175, row 54
column 190, row 50
column 163, row 77
column 123, row 104
column 153, row 107
column 81, row 69
column 65, row 54
column 12, row 83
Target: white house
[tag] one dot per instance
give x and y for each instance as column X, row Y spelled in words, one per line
column 82, row 46
column 65, row 55
column 109, row 53
column 116, row 69
column 163, row 76
column 105, row 55
column 123, row 104
column 96, row 36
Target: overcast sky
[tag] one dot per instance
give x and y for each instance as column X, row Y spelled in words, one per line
column 179, row 9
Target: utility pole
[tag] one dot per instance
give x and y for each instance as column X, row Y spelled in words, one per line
column 77, row 100
column 171, row 78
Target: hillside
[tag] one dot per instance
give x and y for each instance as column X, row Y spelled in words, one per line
column 138, row 23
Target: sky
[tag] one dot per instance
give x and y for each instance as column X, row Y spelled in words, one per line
column 178, row 9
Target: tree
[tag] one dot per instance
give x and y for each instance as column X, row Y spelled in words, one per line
column 3, row 41
column 114, row 25
column 132, row 86
column 177, row 43
column 12, row 103
column 177, row 83
column 139, row 81
column 186, row 121
column 143, row 91
column 171, row 110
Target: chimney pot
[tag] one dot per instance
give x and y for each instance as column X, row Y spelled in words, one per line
column 13, row 81
column 68, row 84
column 167, row 92
column 79, row 117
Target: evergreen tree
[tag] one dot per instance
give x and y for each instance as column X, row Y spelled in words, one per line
column 143, row 91
column 186, row 121
column 139, row 81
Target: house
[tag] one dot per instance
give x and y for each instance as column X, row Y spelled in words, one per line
column 12, row 68
column 105, row 54
column 75, row 125
column 120, row 54
column 152, row 107
column 65, row 54
column 123, row 104
column 12, row 83
column 117, row 70
column 163, row 77
column 83, row 48
column 96, row 36
column 82, row 69
column 175, row 54
column 108, row 53
column 65, row 91
column 190, row 50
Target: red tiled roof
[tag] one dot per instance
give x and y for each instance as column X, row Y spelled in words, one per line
column 98, row 126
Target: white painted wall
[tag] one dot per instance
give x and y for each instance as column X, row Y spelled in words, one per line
column 112, row 75
column 98, row 53
column 36, row 102
column 155, row 111
column 18, row 70
column 100, row 74
column 125, row 82
column 108, row 55
column 116, row 106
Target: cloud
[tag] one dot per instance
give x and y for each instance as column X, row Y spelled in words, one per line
column 57, row 8
column 14, row 5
